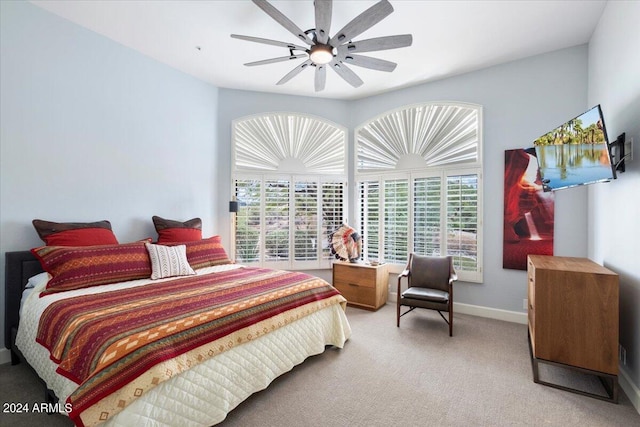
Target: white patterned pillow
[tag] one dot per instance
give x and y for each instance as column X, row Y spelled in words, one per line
column 168, row 261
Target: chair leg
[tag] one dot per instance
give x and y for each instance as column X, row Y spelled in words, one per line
column 398, row 314
column 451, row 320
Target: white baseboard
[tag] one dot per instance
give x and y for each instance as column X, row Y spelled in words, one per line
column 5, row 356
column 630, row 389
column 491, row 313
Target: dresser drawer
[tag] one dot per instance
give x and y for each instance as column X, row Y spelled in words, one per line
column 363, row 277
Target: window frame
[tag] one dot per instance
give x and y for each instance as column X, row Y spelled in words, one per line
column 293, row 171
column 442, row 171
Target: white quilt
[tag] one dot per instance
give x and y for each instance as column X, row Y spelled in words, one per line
column 205, row 394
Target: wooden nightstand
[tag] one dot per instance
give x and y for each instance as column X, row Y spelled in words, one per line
column 364, row 286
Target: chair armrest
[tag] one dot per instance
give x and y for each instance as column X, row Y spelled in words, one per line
column 453, row 278
column 405, row 273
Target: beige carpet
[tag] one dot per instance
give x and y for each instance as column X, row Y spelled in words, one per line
column 414, row 375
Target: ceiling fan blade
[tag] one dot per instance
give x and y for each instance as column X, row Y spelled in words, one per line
column 378, row 43
column 346, row 73
column 320, row 77
column 371, row 63
column 291, row 74
column 282, row 20
column 274, row 60
column 269, row 41
column 323, row 20
column 362, row 22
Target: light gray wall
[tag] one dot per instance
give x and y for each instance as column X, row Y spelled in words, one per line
column 92, row 130
column 614, row 209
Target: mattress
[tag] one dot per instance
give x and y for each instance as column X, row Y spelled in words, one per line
column 206, row 393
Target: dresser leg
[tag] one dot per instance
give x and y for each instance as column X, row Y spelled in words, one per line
column 534, row 361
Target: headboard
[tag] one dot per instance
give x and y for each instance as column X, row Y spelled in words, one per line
column 19, row 267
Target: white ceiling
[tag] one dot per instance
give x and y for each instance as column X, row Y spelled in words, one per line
column 449, row 37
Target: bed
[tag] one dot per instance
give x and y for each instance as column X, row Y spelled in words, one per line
column 186, row 388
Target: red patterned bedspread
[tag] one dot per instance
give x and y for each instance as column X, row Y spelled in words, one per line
column 114, row 341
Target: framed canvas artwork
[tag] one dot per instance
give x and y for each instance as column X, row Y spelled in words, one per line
column 528, row 210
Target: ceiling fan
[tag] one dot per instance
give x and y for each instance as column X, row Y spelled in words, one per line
column 332, row 52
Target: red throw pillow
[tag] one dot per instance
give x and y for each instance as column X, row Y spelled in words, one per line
column 205, row 252
column 75, row 233
column 171, row 231
column 171, row 235
column 82, row 237
column 76, row 267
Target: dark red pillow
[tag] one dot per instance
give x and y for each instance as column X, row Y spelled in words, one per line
column 205, row 252
column 75, row 233
column 171, row 231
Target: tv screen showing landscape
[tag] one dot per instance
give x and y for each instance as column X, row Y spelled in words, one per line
column 575, row 153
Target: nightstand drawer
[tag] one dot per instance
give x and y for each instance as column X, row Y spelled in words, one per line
column 364, row 277
column 357, row 294
column 363, row 285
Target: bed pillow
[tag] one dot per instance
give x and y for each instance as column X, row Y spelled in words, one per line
column 75, row 233
column 38, row 280
column 171, row 231
column 168, row 261
column 205, row 252
column 76, row 267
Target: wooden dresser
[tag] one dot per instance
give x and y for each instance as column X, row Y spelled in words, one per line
column 363, row 285
column 573, row 318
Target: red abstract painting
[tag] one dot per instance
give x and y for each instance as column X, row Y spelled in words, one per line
column 528, row 211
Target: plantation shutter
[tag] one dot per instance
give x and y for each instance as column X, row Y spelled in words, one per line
column 306, row 221
column 369, row 197
column 427, row 215
column 297, row 164
column 462, row 221
column 276, row 220
column 247, row 221
column 419, row 172
column 396, row 220
column 332, row 214
column 422, row 135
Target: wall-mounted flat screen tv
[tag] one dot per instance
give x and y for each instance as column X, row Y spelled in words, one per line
column 575, row 153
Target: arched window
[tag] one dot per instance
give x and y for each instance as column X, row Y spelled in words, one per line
column 289, row 177
column 419, row 177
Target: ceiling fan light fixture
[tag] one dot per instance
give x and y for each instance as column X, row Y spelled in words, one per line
column 338, row 50
column 321, row 54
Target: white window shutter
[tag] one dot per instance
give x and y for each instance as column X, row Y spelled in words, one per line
column 462, row 221
column 419, row 136
column 419, row 172
column 248, row 221
column 292, row 170
column 427, row 227
column 287, row 142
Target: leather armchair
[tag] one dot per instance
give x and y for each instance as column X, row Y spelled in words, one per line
column 430, row 285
